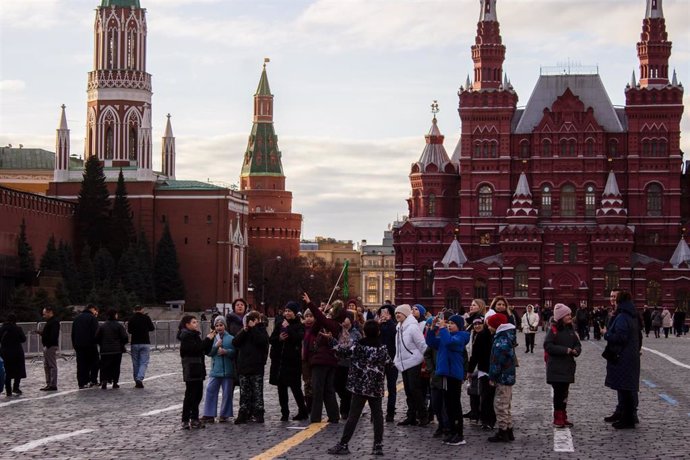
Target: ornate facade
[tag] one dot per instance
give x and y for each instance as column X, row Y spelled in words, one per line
column 557, row 202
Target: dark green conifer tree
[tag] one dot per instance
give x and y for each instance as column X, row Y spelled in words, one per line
column 92, row 216
column 166, row 273
column 50, row 259
column 121, row 227
column 27, row 265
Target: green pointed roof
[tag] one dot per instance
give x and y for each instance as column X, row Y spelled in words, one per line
column 263, row 89
column 122, row 3
column 262, row 157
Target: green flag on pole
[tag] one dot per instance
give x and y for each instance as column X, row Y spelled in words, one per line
column 346, row 286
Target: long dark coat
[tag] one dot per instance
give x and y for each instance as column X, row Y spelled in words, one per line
column 623, row 336
column 286, row 355
column 11, row 339
column 560, row 366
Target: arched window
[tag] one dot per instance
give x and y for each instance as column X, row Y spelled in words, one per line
column 524, row 149
column 521, row 279
column 494, row 149
column 611, row 277
column 480, row 289
column 486, row 201
column 427, row 282
column 645, row 147
column 558, row 253
column 590, row 201
column 589, row 148
column 109, row 143
column 613, row 148
column 131, row 48
column 546, row 201
column 132, row 142
column 485, row 150
column 112, row 49
column 477, row 149
column 683, row 299
column 653, row 293
column 546, row 148
column 431, row 210
column 564, row 147
column 452, row 300
column 571, row 148
column 568, row 201
column 662, row 147
column 654, row 198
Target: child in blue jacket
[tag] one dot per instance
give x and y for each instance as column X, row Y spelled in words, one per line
column 450, row 339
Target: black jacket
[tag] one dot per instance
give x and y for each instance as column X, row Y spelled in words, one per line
column 286, row 355
column 560, row 366
column 84, row 329
column 50, row 335
column 11, row 339
column 111, row 337
column 388, row 336
column 192, row 351
column 481, row 351
column 252, row 350
column 139, row 326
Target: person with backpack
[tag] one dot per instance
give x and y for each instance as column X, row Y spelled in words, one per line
column 561, row 347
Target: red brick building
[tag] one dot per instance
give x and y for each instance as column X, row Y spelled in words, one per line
column 208, row 223
column 557, row 202
column 273, row 228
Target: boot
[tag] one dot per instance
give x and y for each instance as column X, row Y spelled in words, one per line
column 301, row 415
column 624, row 423
column 511, row 436
column 567, row 422
column 558, row 419
column 613, row 417
column 241, row 418
column 339, row 449
column 500, row 436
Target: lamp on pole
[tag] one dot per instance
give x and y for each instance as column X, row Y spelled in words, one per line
column 263, row 280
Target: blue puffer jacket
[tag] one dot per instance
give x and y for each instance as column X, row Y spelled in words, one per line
column 449, row 360
column 222, row 365
column 502, row 361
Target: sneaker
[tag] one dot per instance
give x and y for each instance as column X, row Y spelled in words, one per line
column 45, row 388
column 455, row 440
column 223, row 419
column 208, row 419
column 17, row 391
column 408, row 422
column 339, row 449
column 301, row 416
column 93, row 384
column 438, row 433
column 377, row 450
column 184, row 426
column 50, row 389
column 486, row 427
column 285, row 417
column 241, row 419
column 196, row 424
column 115, row 386
column 390, row 418
column 104, row 386
column 138, row 384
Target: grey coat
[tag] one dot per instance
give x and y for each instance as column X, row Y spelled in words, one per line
column 560, row 366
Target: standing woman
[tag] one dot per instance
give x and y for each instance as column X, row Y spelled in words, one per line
column 656, row 322
column 286, row 365
column 192, row 350
column 11, row 339
column 530, row 322
column 666, row 321
column 221, row 376
column 234, row 321
column 562, row 346
column 409, row 355
column 111, row 338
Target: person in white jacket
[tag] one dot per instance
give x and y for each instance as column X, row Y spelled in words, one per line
column 409, row 355
column 530, row 321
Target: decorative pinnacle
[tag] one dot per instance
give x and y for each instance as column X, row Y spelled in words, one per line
column 266, row 60
column 434, row 108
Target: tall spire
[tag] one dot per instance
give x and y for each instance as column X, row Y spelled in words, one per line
column 522, row 209
column 488, row 52
column 62, row 144
column 168, row 151
column 263, row 99
column 654, row 49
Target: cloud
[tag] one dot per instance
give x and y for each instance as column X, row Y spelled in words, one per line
column 12, row 86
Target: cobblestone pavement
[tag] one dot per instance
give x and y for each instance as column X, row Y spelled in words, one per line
column 109, row 424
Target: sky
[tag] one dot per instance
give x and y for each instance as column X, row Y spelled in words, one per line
column 353, row 82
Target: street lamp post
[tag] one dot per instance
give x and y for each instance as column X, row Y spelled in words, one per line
column 263, row 281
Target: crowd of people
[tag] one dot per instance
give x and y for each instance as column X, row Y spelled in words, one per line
column 341, row 357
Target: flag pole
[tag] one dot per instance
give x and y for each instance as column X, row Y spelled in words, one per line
column 337, row 282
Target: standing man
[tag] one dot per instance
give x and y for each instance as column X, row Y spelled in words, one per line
column 50, row 338
column 84, row 329
column 139, row 327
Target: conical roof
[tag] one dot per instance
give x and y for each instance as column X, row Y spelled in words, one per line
column 681, row 255
column 454, row 254
column 434, row 153
column 522, row 208
column 63, row 119
column 122, row 3
column 168, row 128
column 263, row 89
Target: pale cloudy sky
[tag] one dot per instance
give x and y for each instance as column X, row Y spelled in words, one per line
column 352, row 79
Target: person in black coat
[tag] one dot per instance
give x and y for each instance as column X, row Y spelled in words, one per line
column 251, row 344
column 50, row 339
column 480, row 356
column 286, row 360
column 192, row 351
column 112, row 338
column 562, row 346
column 11, row 339
column 387, row 324
column 84, row 329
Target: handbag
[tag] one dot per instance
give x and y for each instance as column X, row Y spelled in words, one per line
column 610, row 354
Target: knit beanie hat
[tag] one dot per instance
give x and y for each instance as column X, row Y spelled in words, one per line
column 307, row 312
column 388, row 308
column 560, row 311
column 294, row 306
column 220, row 319
column 405, row 309
column 478, row 320
column 496, row 320
column 458, row 320
column 422, row 310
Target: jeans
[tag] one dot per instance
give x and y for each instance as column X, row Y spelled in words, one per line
column 414, row 392
column 140, row 360
column 323, row 393
column 391, row 386
column 211, row 402
column 486, row 397
column 193, row 393
column 355, row 414
column 50, row 365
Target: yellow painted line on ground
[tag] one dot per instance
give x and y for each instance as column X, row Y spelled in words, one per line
column 299, row 438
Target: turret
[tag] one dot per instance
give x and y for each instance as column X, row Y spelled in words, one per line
column 522, row 210
column 654, row 49
column 488, row 52
column 62, row 144
column 612, row 210
column 168, row 153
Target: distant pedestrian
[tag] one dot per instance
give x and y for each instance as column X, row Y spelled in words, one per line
column 622, row 355
column 50, row 339
column 221, row 376
column 365, row 380
column 561, row 347
column 139, row 326
column 666, row 321
column 656, row 322
column 502, row 374
column 286, row 361
column 11, row 339
column 251, row 345
column 647, row 319
column 111, row 337
column 530, row 323
column 192, row 351
column 84, row 329
column 678, row 322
